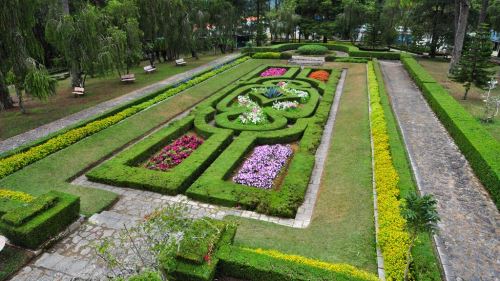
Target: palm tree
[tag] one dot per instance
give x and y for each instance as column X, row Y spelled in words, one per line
column 421, row 217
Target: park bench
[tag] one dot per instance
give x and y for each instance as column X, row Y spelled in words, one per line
column 302, row 60
column 128, row 77
column 180, row 62
column 78, row 91
column 149, row 69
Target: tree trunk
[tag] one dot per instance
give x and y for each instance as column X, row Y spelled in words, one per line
column 19, row 93
column 5, row 99
column 484, row 10
column 467, row 88
column 434, row 35
column 65, row 6
column 76, row 76
column 459, row 33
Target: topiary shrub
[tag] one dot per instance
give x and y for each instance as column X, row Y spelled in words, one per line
column 312, row 50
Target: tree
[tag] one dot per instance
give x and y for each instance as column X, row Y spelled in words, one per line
column 19, row 52
column 124, row 37
column 79, row 37
column 473, row 67
column 421, row 217
column 462, row 8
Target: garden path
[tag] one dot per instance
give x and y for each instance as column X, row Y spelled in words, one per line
column 468, row 241
column 74, row 257
column 42, row 131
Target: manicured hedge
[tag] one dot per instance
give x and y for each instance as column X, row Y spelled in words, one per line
column 479, row 147
column 267, row 55
column 392, row 236
column 312, row 50
column 258, row 265
column 17, row 161
column 42, row 224
column 375, row 54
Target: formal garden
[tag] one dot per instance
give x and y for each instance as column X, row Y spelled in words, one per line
column 294, row 156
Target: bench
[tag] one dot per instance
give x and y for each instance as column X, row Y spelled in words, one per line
column 78, row 91
column 302, row 60
column 180, row 62
column 149, row 69
column 128, row 78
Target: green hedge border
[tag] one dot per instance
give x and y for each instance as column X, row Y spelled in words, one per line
column 479, row 147
column 45, row 224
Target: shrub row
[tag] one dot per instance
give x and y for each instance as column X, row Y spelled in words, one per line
column 312, row 50
column 32, row 226
column 347, row 59
column 124, row 169
column 479, row 147
column 392, row 237
column 16, row 195
column 269, row 265
column 15, row 162
column 267, row 55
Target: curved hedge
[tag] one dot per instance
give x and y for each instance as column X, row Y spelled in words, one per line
column 312, row 50
column 479, row 147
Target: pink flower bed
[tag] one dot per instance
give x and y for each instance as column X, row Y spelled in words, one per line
column 273, row 71
column 174, row 153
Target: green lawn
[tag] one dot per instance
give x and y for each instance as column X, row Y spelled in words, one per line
column 55, row 171
column 97, row 90
column 11, row 260
column 342, row 229
column 474, row 104
column 426, row 264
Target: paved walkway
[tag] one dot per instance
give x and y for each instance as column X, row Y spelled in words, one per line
column 469, row 238
column 74, row 257
column 42, row 131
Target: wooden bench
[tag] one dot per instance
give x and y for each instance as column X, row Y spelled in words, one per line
column 78, row 91
column 180, row 62
column 149, row 69
column 128, row 77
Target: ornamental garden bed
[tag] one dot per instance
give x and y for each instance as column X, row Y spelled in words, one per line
column 272, row 106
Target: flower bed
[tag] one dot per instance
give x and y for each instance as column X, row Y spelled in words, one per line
column 263, row 166
column 174, row 153
column 285, row 105
column 273, row 71
column 320, row 75
column 254, row 114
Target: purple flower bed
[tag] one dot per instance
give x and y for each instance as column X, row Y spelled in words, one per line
column 273, row 71
column 263, row 166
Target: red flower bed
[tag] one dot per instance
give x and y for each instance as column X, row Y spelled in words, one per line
column 174, row 153
column 320, row 75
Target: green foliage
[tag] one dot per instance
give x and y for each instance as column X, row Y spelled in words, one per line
column 39, row 83
column 267, row 55
column 200, row 241
column 41, row 221
column 22, row 214
column 478, row 146
column 474, row 64
column 420, row 214
column 312, row 50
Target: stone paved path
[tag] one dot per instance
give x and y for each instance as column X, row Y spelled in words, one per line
column 469, row 239
column 42, row 131
column 74, row 257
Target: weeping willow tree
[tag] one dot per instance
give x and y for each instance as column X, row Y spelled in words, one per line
column 123, row 42
column 19, row 52
column 80, row 38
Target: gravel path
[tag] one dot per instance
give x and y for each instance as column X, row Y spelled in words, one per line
column 469, row 238
column 42, row 131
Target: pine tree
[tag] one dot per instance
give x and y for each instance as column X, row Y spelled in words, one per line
column 474, row 65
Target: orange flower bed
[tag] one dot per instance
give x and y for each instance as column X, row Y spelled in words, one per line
column 320, row 75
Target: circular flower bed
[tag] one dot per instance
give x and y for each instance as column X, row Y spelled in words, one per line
column 312, row 50
column 174, row 153
column 273, row 71
column 320, row 75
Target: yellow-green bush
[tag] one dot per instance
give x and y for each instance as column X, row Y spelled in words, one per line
column 17, row 161
column 16, row 195
column 392, row 237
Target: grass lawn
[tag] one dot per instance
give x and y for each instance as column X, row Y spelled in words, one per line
column 55, row 171
column 13, row 122
column 11, row 260
column 342, row 228
column 426, row 264
column 474, row 104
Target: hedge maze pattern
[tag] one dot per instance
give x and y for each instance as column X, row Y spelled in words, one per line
column 206, row 174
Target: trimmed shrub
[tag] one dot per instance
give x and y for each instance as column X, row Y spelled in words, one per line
column 375, row 54
column 392, row 236
column 312, row 50
column 267, row 55
column 43, row 225
column 478, row 146
column 22, row 214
